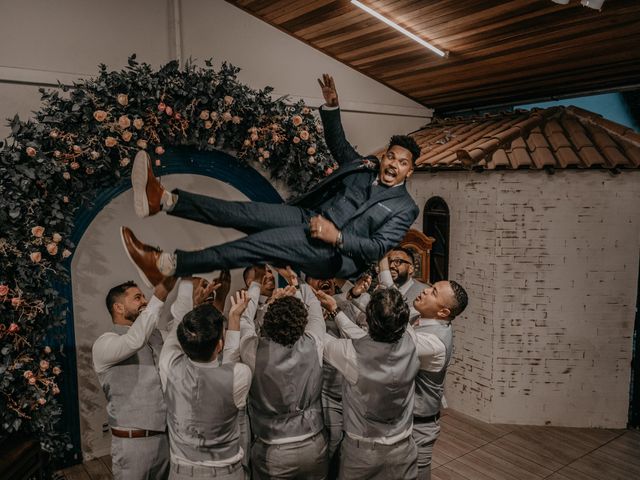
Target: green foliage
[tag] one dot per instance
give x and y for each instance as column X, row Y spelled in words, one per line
column 81, row 141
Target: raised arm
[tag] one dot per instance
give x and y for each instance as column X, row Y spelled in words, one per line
column 340, row 148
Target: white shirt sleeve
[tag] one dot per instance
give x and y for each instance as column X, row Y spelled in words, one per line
column 183, row 303
column 231, row 350
column 315, row 323
column 430, row 349
column 385, row 278
column 241, row 384
column 171, row 351
column 111, row 348
column 347, row 327
column 248, row 334
column 340, row 353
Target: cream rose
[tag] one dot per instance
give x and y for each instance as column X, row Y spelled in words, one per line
column 204, row 115
column 159, row 150
column 126, row 135
column 56, row 370
column 56, row 237
column 35, row 257
column 228, row 100
column 100, row 115
column 226, row 116
column 44, row 365
column 31, row 151
column 138, row 123
column 123, row 99
column 37, row 231
column 66, row 253
column 124, row 161
column 110, row 142
column 52, row 248
column 304, row 135
column 296, row 120
column 142, row 144
column 66, row 176
column 124, row 122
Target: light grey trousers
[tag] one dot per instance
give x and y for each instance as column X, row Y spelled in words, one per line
column 245, row 440
column 332, row 410
column 184, row 472
column 303, row 460
column 144, row 458
column 359, row 460
column 425, row 436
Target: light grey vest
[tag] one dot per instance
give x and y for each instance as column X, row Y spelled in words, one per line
column 133, row 388
column 201, row 413
column 430, row 385
column 332, row 379
column 284, row 399
column 380, row 404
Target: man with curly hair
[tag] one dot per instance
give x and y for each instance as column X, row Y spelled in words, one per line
column 285, row 405
column 345, row 223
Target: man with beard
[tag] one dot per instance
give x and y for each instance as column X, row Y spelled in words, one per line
column 267, row 286
column 338, row 228
column 126, row 362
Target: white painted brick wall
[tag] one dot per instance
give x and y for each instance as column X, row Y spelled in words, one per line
column 550, row 263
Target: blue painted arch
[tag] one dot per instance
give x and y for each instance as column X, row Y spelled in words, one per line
column 178, row 160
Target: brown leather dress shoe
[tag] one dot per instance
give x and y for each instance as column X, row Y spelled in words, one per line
column 143, row 257
column 147, row 190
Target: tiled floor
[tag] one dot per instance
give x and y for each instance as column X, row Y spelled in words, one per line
column 472, row 450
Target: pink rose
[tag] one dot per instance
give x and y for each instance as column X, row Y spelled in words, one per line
column 74, row 165
column 27, row 374
column 226, row 116
column 275, row 138
column 126, row 135
column 100, row 115
column 329, row 171
column 311, row 151
column 123, row 99
column 44, row 365
column 124, row 161
column 311, row 160
column 13, row 328
column 159, row 150
column 142, row 144
column 42, row 401
column 319, row 128
column 208, row 124
column 37, row 231
column 52, row 248
column 57, row 154
column 228, row 100
column 254, row 137
column 236, row 119
column 177, row 116
column 56, row 370
column 161, row 107
column 253, row 130
column 138, row 123
column 168, row 111
column 296, row 139
column 95, row 155
column 213, row 115
column 296, row 120
column 204, row 115
column 55, row 390
column 31, row 151
column 35, row 257
column 77, row 149
column 32, row 380
column 4, row 290
column 66, row 176
column 306, row 111
column 15, row 302
column 124, row 122
column 56, row 237
column 47, row 349
column 304, row 135
column 65, row 199
column 110, row 142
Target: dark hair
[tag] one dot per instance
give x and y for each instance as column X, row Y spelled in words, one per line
column 405, row 141
column 461, row 299
column 387, row 315
column 285, row 320
column 200, row 331
column 116, row 292
column 405, row 250
column 245, row 273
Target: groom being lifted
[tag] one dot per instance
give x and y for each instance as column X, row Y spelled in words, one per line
column 345, row 223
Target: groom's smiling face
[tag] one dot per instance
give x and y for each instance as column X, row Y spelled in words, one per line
column 396, row 166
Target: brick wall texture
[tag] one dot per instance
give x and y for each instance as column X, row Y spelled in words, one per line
column 551, row 265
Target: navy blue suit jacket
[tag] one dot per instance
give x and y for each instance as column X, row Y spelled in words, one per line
column 380, row 223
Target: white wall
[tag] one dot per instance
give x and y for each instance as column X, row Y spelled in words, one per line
column 550, row 263
column 42, row 41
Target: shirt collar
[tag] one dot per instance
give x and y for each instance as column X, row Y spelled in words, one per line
column 376, row 182
column 424, row 322
column 404, row 288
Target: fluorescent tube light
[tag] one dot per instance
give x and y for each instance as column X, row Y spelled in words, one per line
column 413, row 37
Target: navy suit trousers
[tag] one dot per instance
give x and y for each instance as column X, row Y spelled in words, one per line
column 276, row 233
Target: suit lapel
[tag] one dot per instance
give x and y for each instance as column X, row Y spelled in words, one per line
column 389, row 193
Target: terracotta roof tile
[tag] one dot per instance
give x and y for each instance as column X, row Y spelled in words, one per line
column 555, row 137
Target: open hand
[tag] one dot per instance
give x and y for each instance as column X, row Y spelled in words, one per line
column 289, row 275
column 288, row 291
column 327, row 301
column 329, row 91
column 239, row 303
column 203, row 291
column 362, row 285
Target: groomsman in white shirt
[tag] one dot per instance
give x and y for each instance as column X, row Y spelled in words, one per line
column 204, row 395
column 126, row 360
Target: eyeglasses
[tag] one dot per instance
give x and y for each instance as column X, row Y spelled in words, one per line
column 398, row 261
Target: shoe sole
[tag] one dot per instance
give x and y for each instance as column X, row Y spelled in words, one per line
column 139, row 177
column 144, row 278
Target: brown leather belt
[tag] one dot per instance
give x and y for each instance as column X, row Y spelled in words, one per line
column 134, row 433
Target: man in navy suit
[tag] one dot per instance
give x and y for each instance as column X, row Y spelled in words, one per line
column 345, row 223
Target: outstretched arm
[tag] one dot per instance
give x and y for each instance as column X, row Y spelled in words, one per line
column 340, row 148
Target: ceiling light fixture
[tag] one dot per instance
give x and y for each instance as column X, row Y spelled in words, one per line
column 413, row 37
